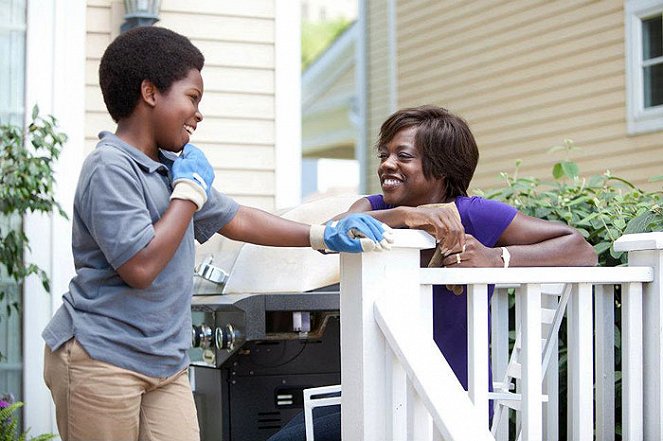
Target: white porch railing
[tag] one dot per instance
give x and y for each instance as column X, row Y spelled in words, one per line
column 397, row 386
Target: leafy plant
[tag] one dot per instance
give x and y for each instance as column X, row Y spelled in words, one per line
column 602, row 207
column 9, row 424
column 27, row 157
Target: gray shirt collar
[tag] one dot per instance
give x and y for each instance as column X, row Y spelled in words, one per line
column 144, row 161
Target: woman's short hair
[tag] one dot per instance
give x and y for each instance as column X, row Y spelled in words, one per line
column 445, row 141
column 144, row 53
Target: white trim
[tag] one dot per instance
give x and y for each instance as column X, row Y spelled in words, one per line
column 336, row 103
column 287, row 95
column 361, row 84
column 639, row 119
column 316, row 86
column 55, row 79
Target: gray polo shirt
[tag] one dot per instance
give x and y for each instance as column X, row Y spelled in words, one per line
column 121, row 194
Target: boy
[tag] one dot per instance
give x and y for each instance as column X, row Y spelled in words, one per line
column 116, row 351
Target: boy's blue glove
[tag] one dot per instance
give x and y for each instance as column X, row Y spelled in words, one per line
column 192, row 176
column 352, row 234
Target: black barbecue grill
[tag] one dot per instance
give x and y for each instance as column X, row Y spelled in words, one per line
column 265, row 327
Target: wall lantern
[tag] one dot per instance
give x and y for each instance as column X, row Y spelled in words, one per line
column 140, row 13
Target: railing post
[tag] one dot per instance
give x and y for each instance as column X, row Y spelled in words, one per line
column 646, row 249
column 366, row 399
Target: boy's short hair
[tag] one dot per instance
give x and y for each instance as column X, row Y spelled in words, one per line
column 144, row 53
column 445, row 141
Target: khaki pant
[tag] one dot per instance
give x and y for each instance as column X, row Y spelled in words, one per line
column 96, row 401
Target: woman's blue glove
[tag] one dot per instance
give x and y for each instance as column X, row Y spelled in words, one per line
column 352, row 234
column 192, row 176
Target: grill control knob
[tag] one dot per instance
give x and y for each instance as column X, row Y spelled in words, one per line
column 226, row 337
column 201, row 336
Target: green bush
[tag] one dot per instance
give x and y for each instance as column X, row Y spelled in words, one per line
column 602, row 207
column 9, row 424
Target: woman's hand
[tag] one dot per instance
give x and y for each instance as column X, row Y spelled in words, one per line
column 474, row 255
column 441, row 221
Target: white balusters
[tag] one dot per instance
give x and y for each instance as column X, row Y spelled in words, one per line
column 396, row 384
column 604, row 359
column 477, row 353
column 530, row 295
column 632, row 392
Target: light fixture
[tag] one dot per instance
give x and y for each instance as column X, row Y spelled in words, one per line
column 140, row 13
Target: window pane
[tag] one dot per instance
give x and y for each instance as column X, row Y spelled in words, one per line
column 653, row 82
column 12, row 60
column 652, row 37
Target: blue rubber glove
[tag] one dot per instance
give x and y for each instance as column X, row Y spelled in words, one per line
column 353, row 234
column 192, row 176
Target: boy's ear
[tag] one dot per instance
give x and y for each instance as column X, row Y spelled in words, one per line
column 148, row 92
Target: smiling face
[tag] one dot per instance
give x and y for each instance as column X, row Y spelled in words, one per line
column 401, row 173
column 176, row 113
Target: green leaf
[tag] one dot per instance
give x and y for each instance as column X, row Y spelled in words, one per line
column 570, row 169
column 602, row 247
column 640, row 224
column 558, row 171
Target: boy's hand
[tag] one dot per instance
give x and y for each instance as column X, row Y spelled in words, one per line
column 192, row 176
column 352, row 234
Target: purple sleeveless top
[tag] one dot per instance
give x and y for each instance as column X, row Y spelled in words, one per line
column 486, row 220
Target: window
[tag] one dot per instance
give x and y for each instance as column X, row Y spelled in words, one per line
column 12, row 88
column 644, row 65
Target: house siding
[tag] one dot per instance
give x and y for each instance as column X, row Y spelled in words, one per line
column 238, row 130
column 526, row 75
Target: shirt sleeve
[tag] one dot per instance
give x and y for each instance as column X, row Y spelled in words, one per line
column 114, row 210
column 215, row 214
column 377, row 202
column 486, row 219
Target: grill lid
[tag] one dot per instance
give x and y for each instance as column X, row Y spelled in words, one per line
column 257, row 269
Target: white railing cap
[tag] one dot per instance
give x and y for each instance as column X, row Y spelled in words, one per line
column 413, row 239
column 640, row 241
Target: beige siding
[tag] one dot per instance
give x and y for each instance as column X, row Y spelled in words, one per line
column 378, row 83
column 526, row 75
column 238, row 130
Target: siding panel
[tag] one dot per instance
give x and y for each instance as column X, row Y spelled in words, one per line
column 526, row 75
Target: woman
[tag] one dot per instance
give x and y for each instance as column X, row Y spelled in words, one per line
column 428, row 156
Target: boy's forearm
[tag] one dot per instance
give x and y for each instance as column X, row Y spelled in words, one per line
column 261, row 228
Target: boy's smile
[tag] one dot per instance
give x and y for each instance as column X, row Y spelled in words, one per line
column 176, row 112
column 401, row 173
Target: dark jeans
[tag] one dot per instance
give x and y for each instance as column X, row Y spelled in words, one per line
column 326, row 424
